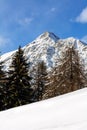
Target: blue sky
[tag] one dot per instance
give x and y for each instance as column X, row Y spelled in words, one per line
column 21, row 21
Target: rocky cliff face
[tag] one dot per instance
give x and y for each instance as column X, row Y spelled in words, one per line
column 48, row 47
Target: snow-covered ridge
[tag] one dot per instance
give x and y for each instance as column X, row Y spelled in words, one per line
column 66, row 112
column 48, row 35
column 48, row 47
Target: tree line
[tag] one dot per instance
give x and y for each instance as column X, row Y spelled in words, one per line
column 19, row 87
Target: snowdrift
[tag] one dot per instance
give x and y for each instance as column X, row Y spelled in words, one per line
column 67, row 112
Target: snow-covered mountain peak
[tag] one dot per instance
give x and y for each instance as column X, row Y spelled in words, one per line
column 71, row 39
column 48, row 47
column 48, row 35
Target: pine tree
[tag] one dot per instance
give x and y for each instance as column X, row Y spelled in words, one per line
column 2, row 86
column 2, row 73
column 41, row 75
column 51, row 86
column 72, row 72
column 68, row 76
column 19, row 90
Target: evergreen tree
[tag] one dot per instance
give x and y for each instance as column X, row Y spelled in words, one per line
column 19, row 90
column 2, row 72
column 2, row 86
column 41, row 75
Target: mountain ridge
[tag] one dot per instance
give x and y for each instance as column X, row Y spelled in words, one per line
column 47, row 47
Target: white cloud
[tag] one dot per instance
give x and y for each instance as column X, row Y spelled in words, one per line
column 4, row 41
column 5, row 44
column 82, row 18
column 25, row 21
column 84, row 39
column 53, row 9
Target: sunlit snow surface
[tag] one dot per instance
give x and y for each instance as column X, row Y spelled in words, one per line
column 67, row 112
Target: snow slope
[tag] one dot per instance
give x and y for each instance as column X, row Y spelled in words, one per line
column 67, row 112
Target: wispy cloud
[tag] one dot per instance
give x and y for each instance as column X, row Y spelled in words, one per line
column 82, row 18
column 4, row 41
column 84, row 38
column 25, row 21
column 50, row 11
column 53, row 9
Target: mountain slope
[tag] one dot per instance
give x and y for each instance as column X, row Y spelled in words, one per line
column 48, row 47
column 67, row 112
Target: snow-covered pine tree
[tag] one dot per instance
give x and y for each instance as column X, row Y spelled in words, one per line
column 19, row 90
